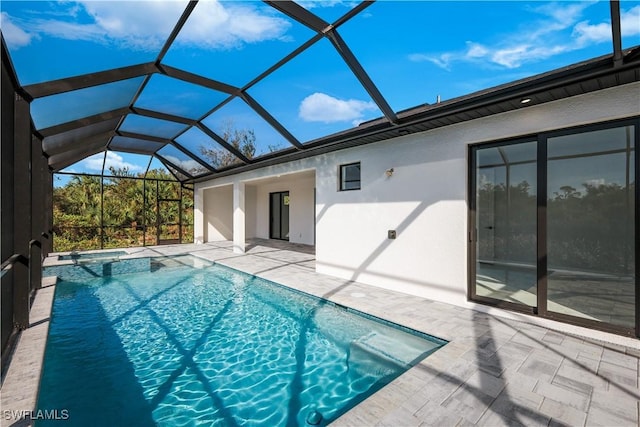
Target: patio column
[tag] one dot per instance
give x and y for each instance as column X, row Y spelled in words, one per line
column 198, row 216
column 238, row 217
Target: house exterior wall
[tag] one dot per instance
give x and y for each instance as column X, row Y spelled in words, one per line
column 425, row 200
column 217, row 214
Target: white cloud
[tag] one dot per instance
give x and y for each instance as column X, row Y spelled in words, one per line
column 586, row 32
column 443, row 60
column 14, row 35
column 230, row 26
column 113, row 160
column 476, row 50
column 320, row 107
column 145, row 25
column 630, row 21
column 563, row 14
column 93, row 163
column 540, row 40
column 419, row 57
column 515, row 56
column 595, row 182
column 67, row 30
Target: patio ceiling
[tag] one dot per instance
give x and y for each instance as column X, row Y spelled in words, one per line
column 178, row 110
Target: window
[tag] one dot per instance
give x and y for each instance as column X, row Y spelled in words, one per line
column 350, row 176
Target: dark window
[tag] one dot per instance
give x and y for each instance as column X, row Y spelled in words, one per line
column 350, row 177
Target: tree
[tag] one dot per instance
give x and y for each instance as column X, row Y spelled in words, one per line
column 129, row 215
column 243, row 140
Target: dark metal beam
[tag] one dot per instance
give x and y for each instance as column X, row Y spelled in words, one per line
column 60, row 164
column 361, row 75
column 13, row 76
column 91, row 147
column 66, row 146
column 162, row 116
column 211, row 134
column 616, row 32
column 50, row 143
column 68, row 84
column 168, row 164
column 38, row 190
column 353, row 12
column 306, row 45
column 379, row 130
column 300, row 14
column 193, row 156
column 85, row 121
column 133, row 101
column 176, row 30
column 271, row 120
column 146, row 171
column 47, row 244
column 143, row 136
column 197, row 79
column 132, row 150
column 21, row 209
column 99, row 175
column 165, row 48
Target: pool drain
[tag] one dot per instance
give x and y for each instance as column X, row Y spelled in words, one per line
column 314, row 417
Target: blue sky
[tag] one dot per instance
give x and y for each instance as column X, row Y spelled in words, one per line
column 413, row 51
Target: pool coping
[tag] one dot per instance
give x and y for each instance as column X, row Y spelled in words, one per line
column 456, row 385
column 22, row 381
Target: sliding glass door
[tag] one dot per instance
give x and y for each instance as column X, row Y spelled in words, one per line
column 279, row 215
column 554, row 226
column 505, row 197
column 590, row 225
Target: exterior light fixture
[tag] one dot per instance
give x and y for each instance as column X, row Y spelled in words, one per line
column 389, row 172
column 525, row 100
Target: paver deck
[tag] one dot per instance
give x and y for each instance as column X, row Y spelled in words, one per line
column 494, row 371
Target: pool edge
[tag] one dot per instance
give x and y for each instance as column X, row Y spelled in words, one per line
column 19, row 392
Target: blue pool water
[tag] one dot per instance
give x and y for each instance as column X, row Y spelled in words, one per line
column 208, row 345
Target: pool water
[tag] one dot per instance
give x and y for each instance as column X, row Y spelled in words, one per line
column 181, row 345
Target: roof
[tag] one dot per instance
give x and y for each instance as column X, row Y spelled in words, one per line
column 171, row 109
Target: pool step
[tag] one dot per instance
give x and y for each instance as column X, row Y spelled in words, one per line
column 376, row 353
column 179, row 261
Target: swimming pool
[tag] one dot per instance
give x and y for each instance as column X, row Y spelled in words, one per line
column 192, row 343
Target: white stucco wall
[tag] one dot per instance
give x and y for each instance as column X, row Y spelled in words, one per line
column 217, row 214
column 425, row 199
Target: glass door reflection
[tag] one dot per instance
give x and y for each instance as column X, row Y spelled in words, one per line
column 590, row 226
column 506, row 188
